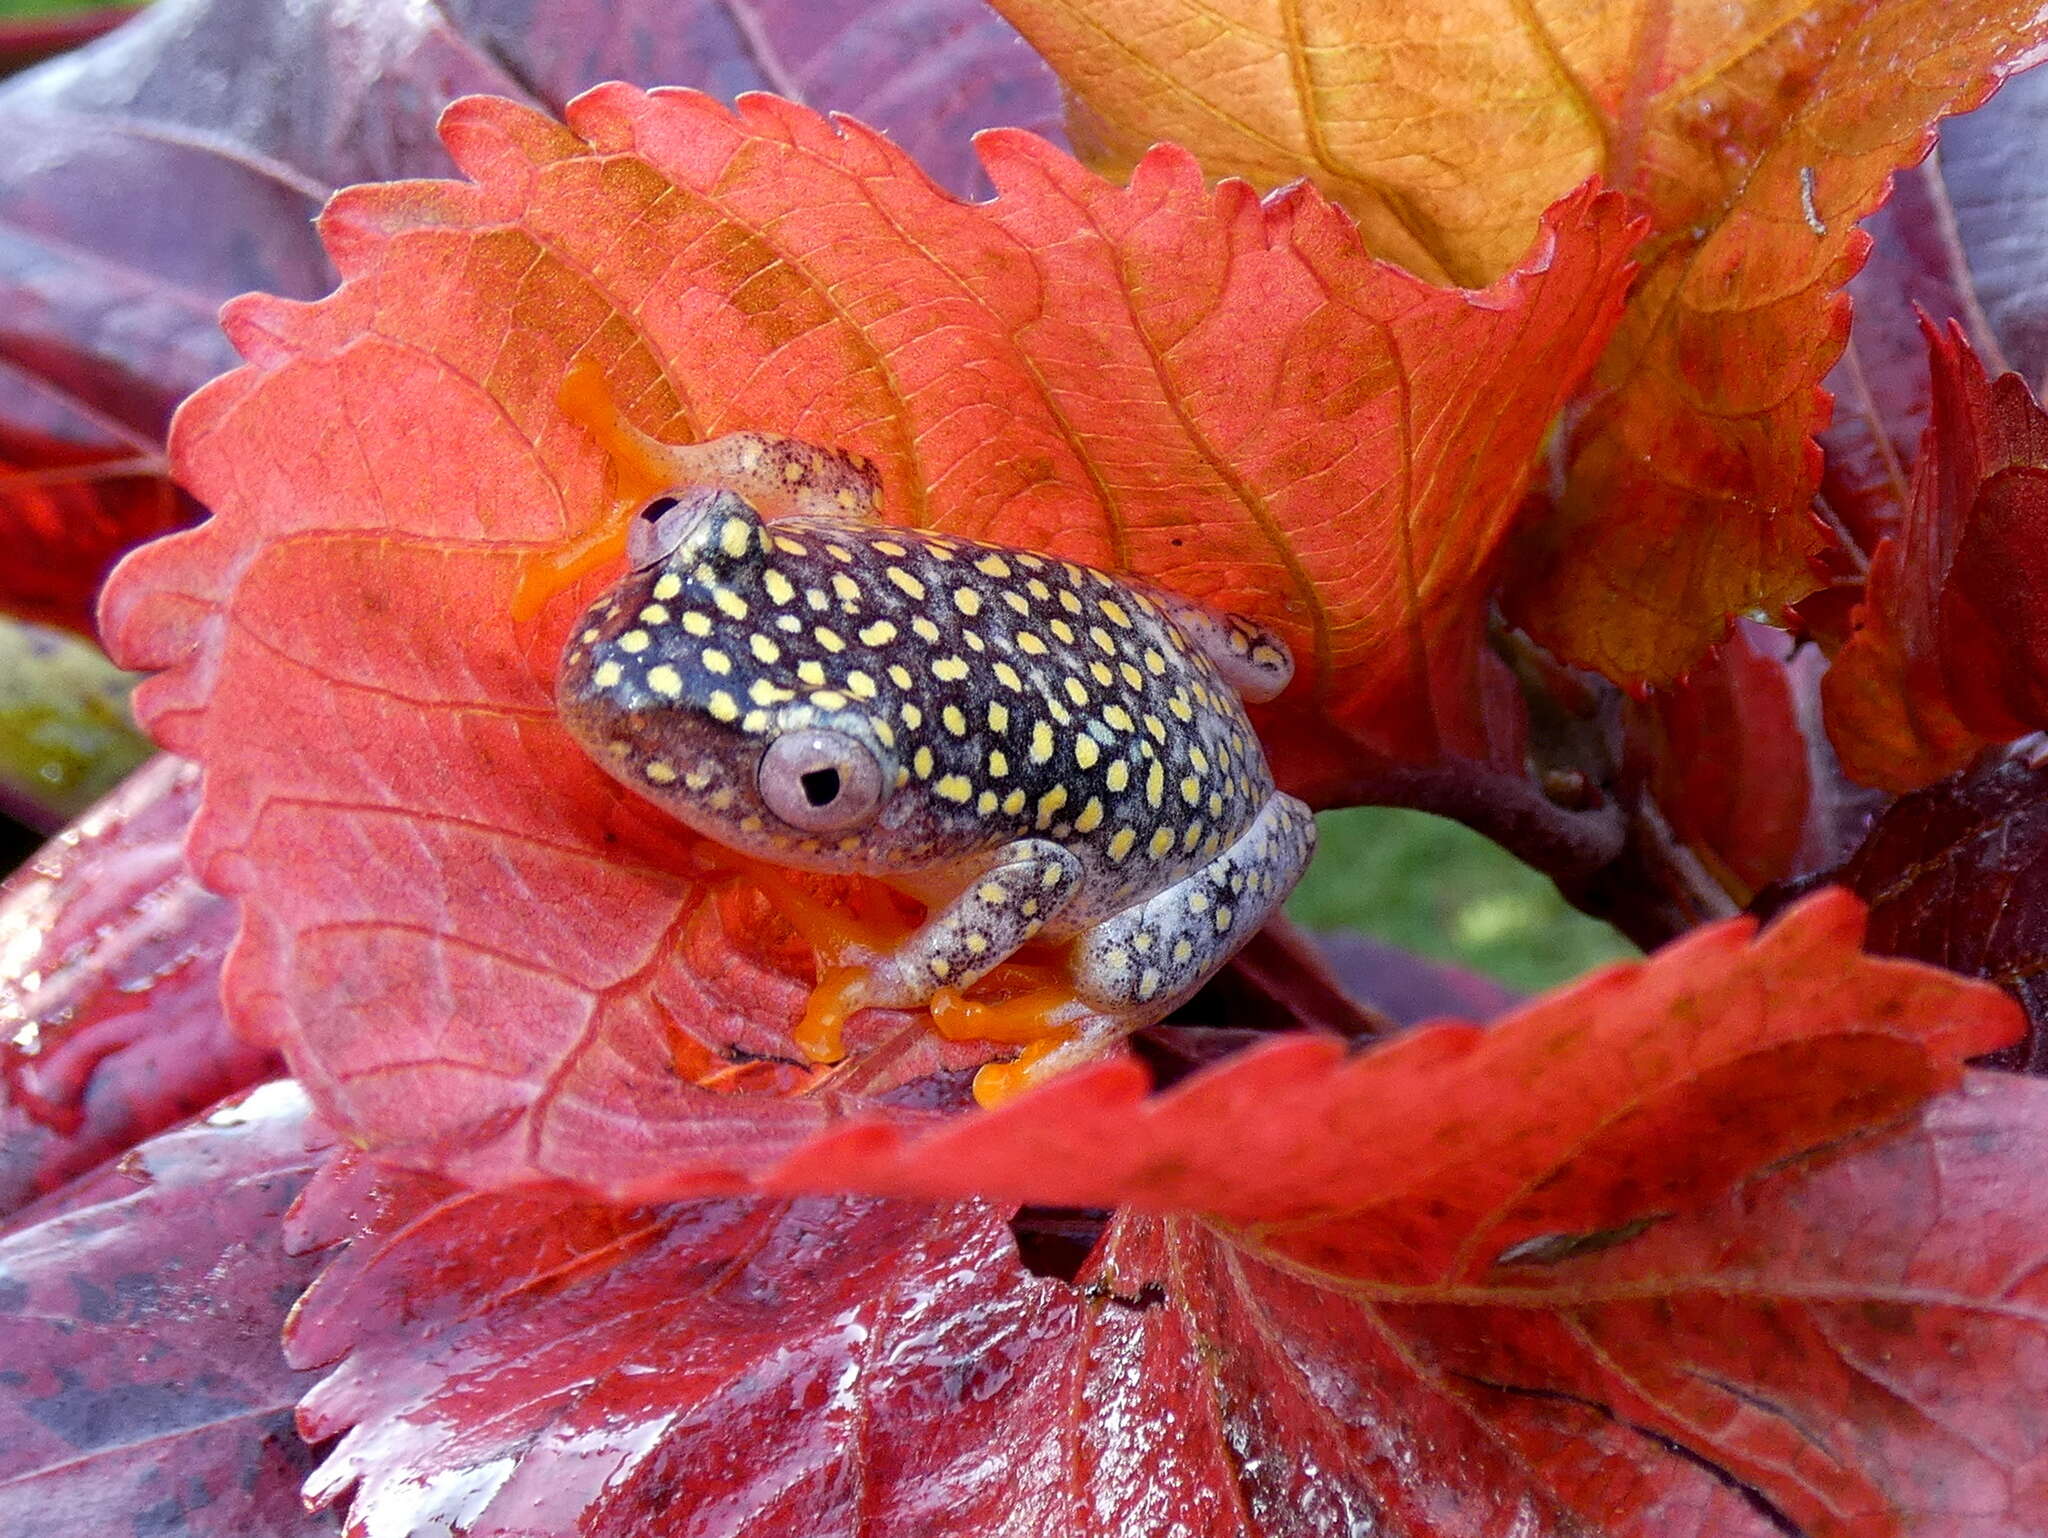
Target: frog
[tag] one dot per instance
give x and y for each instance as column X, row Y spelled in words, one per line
column 1041, row 752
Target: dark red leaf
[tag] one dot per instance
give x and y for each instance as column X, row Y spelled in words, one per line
column 929, row 73
column 151, row 177
column 1963, row 238
column 1845, row 1348
column 110, row 960
column 1727, row 760
column 1955, row 874
column 142, row 1388
column 1951, row 647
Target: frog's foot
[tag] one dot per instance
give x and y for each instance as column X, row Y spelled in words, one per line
column 1045, row 1020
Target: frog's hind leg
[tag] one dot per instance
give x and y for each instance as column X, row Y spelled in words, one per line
column 1253, row 661
column 782, row 477
column 1142, row 963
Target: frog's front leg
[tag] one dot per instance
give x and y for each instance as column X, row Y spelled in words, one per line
column 1137, row 966
column 1141, row 963
column 1029, row 882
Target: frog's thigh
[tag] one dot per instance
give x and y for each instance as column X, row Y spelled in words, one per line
column 1253, row 661
column 1149, row 958
column 1030, row 881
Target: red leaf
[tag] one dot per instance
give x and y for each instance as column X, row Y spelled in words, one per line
column 1845, row 1349
column 473, row 947
column 1953, row 875
column 148, row 179
column 1642, row 1090
column 143, row 1390
column 1727, row 761
column 1952, row 647
column 110, row 958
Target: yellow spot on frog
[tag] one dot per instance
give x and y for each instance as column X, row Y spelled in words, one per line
column 955, row 721
column 1119, row 775
column 904, row 580
column 698, row 625
column 967, row 601
column 607, row 674
column 993, row 565
column 763, row 648
column 1086, row 751
column 777, row 585
column 661, row 773
column 1090, row 818
column 1041, row 742
column 733, row 537
column 949, row 669
column 954, row 787
column 633, row 642
column 880, row 633
column 729, row 603
column 654, row 614
column 722, row 706
column 665, row 680
column 1050, row 803
column 1120, row 845
column 1162, row 840
column 667, row 585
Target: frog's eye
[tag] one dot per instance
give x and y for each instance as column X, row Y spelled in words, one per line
column 820, row 781
column 660, row 527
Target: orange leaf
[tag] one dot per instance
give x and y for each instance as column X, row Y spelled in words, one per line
column 1755, row 133
column 464, row 933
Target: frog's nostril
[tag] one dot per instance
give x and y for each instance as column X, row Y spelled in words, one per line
column 652, row 512
column 821, row 787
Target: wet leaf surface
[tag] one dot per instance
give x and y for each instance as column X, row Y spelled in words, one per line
column 142, row 1387
column 1851, row 1345
column 111, row 1027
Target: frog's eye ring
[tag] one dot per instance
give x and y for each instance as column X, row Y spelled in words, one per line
column 820, row 781
column 659, row 529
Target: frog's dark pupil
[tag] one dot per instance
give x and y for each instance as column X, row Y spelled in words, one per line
column 821, row 787
column 652, row 511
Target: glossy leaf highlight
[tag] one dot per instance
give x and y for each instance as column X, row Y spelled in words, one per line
column 1846, row 1346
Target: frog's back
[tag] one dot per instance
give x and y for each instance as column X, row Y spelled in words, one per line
column 1016, row 694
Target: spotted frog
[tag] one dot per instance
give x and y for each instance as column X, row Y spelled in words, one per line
column 1034, row 749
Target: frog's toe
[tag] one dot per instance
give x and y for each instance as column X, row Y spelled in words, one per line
column 1047, row 1021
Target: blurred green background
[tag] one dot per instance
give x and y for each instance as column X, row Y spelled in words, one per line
column 1441, row 890
column 14, row 8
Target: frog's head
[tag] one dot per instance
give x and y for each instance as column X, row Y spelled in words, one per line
column 687, row 683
